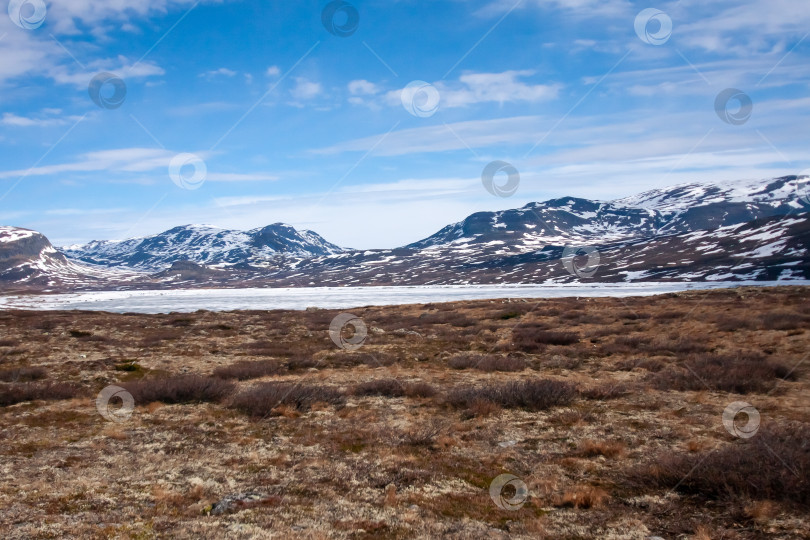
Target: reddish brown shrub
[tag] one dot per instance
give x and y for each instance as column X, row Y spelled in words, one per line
column 532, row 339
column 487, row 362
column 420, row 389
column 261, row 399
column 23, row 374
column 19, row 392
column 609, row 449
column 393, row 388
column 680, row 346
column 248, row 370
column 605, row 391
column 380, row 387
column 783, row 320
column 742, row 373
column 649, row 364
column 533, row 395
column 772, row 465
column 179, row 389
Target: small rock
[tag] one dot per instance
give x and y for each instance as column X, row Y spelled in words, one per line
column 376, row 330
column 406, row 332
column 242, row 501
column 507, row 444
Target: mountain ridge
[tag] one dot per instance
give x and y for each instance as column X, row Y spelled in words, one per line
column 733, row 231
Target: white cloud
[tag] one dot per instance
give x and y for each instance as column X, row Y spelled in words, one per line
column 123, row 161
column 305, row 89
column 475, row 133
column 741, row 28
column 121, row 66
column 476, row 88
column 221, row 72
column 362, row 87
column 48, row 117
column 273, row 71
column 63, row 15
column 576, row 8
column 237, row 177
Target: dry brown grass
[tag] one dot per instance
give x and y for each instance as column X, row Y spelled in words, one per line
column 607, row 425
column 583, row 497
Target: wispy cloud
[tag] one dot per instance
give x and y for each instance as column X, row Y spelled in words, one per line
column 214, row 73
column 123, row 161
column 46, row 118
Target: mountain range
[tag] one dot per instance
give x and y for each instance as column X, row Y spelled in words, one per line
column 745, row 230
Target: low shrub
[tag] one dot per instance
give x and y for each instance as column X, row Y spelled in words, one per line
column 533, row 339
column 678, row 346
column 533, row 395
column 649, row 364
column 393, row 388
column 633, row 315
column 669, row 315
column 583, row 497
column 380, row 387
column 261, row 399
column 179, row 389
column 420, row 389
column 726, row 323
column 446, row 317
column 609, row 449
column 302, row 361
column 782, row 320
column 605, row 391
column 245, row 370
column 23, row 374
column 30, row 391
column 772, row 465
column 487, row 362
column 741, row 374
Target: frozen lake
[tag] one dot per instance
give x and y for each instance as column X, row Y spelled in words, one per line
column 336, row 297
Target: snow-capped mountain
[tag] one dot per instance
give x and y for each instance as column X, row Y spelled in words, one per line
column 206, row 245
column 28, row 261
column 695, row 232
column 679, row 209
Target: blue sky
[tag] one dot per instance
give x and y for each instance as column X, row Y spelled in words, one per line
column 298, row 125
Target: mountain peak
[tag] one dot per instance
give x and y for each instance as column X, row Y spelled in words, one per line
column 204, row 244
